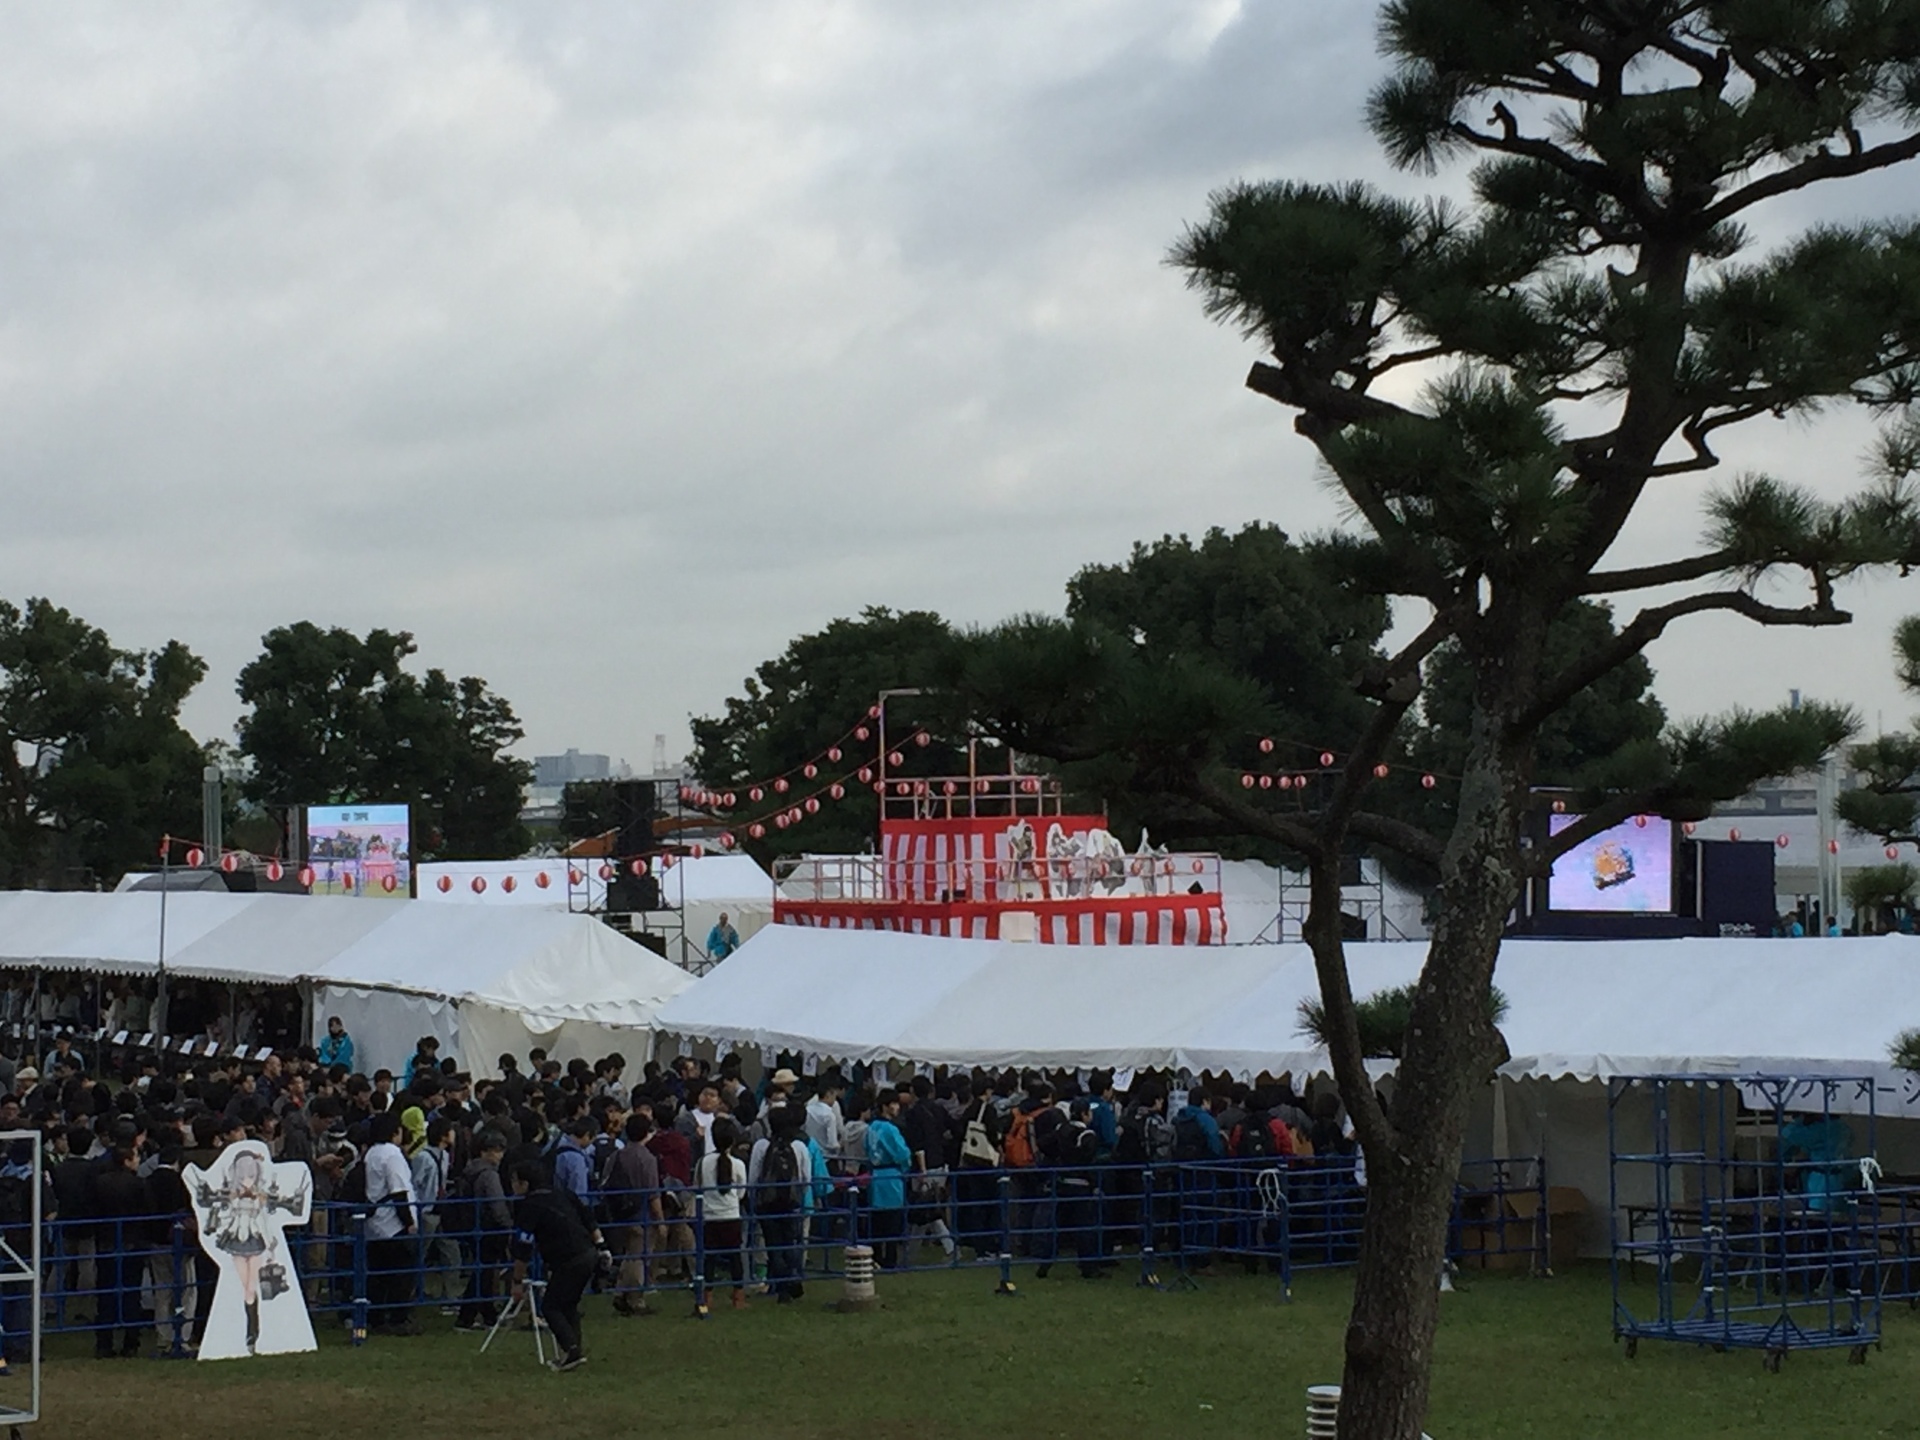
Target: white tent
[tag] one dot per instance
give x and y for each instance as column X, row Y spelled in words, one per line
column 483, row 981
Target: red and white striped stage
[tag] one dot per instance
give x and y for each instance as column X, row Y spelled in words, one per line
column 1131, row 920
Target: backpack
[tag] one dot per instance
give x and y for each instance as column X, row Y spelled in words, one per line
column 1018, row 1152
column 779, row 1189
column 460, row 1211
column 977, row 1144
column 16, row 1201
column 353, row 1185
column 1145, row 1138
column 1257, row 1138
column 1190, row 1139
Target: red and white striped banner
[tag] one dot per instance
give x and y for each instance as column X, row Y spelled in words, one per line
column 1154, row 920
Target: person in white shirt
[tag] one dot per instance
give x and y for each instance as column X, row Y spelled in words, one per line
column 720, row 1183
column 780, row 1193
column 823, row 1116
column 391, row 1223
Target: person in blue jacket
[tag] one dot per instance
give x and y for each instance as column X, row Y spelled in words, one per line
column 890, row 1159
column 337, row 1048
column 1195, row 1115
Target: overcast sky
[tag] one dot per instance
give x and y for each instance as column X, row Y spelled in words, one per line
column 608, row 346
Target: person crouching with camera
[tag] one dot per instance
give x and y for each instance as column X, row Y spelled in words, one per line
column 558, row 1227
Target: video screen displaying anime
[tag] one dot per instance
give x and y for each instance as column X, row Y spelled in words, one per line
column 360, row 850
column 1625, row 870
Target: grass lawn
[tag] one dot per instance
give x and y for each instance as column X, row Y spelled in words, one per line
column 947, row 1359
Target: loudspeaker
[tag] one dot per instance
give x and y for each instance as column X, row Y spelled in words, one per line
column 627, row 891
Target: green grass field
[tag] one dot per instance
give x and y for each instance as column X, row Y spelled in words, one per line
column 947, row 1359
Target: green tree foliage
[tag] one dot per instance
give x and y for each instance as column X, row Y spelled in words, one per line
column 1496, row 386
column 1887, row 802
column 1880, row 894
column 336, row 718
column 94, row 766
column 1383, row 1018
column 810, row 697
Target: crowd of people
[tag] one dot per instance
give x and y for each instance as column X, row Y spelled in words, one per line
column 465, row 1190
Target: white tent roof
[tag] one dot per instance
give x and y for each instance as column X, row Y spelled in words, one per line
column 1585, row 1009
column 720, row 879
column 534, row 961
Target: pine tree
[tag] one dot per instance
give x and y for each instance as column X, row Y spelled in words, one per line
column 1496, row 386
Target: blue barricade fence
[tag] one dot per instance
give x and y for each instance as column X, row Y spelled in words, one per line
column 108, row 1275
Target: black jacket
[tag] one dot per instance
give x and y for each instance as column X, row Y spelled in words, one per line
column 555, row 1223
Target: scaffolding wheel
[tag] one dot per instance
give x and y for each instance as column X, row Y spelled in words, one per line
column 1771, row 1361
column 1633, row 1346
column 1857, row 1355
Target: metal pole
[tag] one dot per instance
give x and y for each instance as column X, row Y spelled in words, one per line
column 159, row 1016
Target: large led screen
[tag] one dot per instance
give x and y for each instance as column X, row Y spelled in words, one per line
column 1625, row 870
column 360, row 850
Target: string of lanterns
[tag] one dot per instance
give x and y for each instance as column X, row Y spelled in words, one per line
column 1299, row 779
column 230, row 862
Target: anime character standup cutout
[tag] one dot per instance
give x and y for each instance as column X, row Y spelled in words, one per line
column 244, row 1202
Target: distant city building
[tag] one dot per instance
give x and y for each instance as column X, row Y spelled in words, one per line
column 551, row 770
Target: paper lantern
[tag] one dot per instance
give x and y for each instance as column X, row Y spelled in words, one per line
column 756, row 794
column 686, row 792
column 195, row 858
column 948, row 788
column 541, row 879
column 813, row 805
column 390, row 884
column 1326, row 759
column 1559, row 807
column 606, row 872
column 1266, row 747
column 1166, row 867
column 1198, row 866
column 637, row 867
column 919, row 787
column 1893, row 852
column 166, row 846
column 866, row 774
column 666, row 862
column 780, row 786
column 727, row 841
column 1246, row 782
column 781, row 820
column 444, row 884
column 1266, row 782
column 1427, row 782
column 901, row 787
column 837, row 791
column 811, row 770
column 879, row 787
column 923, row 739
column 1030, row 785
column 982, row 786
column 1733, row 834
column 1833, row 847
column 478, row 884
column 1380, row 772
column 574, row 877
column 860, row 732
column 305, row 876
column 698, row 851
column 833, row 753
column 346, row 882
column 1781, row 841
column 896, row 759
column 229, row 863
column 1688, row 826
column 729, row 800
column 1640, row 822
column 275, row 870
column 873, row 712
column 757, row 831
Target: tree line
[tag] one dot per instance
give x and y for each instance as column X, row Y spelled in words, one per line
column 95, row 765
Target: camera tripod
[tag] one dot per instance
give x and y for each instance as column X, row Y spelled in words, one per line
column 529, row 1302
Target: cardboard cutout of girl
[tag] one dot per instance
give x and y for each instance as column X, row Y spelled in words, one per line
column 244, row 1202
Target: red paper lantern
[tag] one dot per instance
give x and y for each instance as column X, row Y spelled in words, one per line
column 541, row 879
column 726, row 840
column 478, row 884
column 1733, row 834
column 1166, row 867
column 1427, row 782
column 982, row 786
column 780, row 786
column 606, row 871
column 275, row 870
column 1781, row 841
column 1030, row 785
column 444, row 883
column 346, row 881
column 666, row 861
column 866, row 774
column 919, row 787
column 1688, row 826
column 195, row 858
column 1559, row 807
column 923, row 739
column 948, row 787
column 781, row 820
column 1380, row 772
column 1246, row 782
column 813, row 805
column 860, row 732
column 1833, row 847
column 873, row 712
column 896, row 759
column 901, row 787
column 1640, row 822
column 305, row 877
column 1326, row 759
column 390, row 884
column 1266, row 781
column 1893, row 852
column 1198, row 866
column 833, row 753
column 574, row 877
column 837, row 791
column 638, row 867
column 229, row 863
column 698, row 851
column 756, row 794
column 730, row 802
column 1266, row 747
column 757, row 831
column 811, row 770
column 166, row 846
column 879, row 787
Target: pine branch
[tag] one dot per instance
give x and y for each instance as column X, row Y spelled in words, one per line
column 1825, row 165
column 1344, row 1048
column 1671, row 572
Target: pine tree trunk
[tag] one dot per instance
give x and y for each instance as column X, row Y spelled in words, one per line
column 1449, row 1052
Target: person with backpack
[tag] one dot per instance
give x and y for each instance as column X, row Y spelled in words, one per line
column 385, row 1186
column 1027, row 1126
column 1197, row 1142
column 631, row 1188
column 484, row 1221
column 779, row 1177
column 554, row 1224
column 983, row 1130
column 1072, row 1151
column 1264, row 1132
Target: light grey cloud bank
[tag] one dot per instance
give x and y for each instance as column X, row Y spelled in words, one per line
column 607, row 346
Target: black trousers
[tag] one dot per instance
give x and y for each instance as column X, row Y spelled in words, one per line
column 119, row 1305
column 780, row 1233
column 206, row 1275
column 889, row 1226
column 561, row 1307
column 389, row 1283
column 489, row 1255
